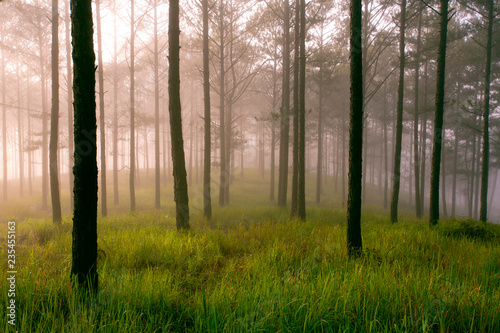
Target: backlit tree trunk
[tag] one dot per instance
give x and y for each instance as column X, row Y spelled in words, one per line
column 207, row 197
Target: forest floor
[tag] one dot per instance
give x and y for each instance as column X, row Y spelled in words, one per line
column 256, row 271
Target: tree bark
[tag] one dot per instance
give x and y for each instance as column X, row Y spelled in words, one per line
column 104, row 205
column 354, row 241
column 399, row 121
column 438, row 119
column 84, row 264
column 483, row 211
column 207, row 158
column 178, row 159
column 54, row 117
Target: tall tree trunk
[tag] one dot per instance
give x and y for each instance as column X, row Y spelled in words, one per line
column 157, row 109
column 69, row 101
column 296, row 106
column 132, row 109
column 207, row 158
column 116, row 197
column 222, row 130
column 483, row 213
column 386, row 152
column 104, row 205
column 30, row 140
column 416, row 162
column 455, row 172
column 180, row 180
column 301, row 197
column 438, row 120
column 285, row 111
column 354, row 241
column 54, row 117
column 84, row 265
column 423, row 145
column 399, row 122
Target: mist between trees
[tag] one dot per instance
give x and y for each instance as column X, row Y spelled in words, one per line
column 277, row 101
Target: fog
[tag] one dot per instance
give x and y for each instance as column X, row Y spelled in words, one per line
column 251, row 43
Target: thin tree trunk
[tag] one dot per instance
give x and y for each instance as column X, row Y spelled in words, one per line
column 180, row 179
column 30, row 140
column 69, row 75
column 296, row 106
column 54, row 117
column 416, row 165
column 84, row 265
column 285, row 112
column 115, row 111
column 438, row 120
column 104, row 204
column 132, row 109
column 301, row 197
column 222, row 129
column 399, row 122
column 354, row 241
column 207, row 197
column 483, row 214
column 443, row 185
column 455, row 171
column 319, row 165
column 157, row 109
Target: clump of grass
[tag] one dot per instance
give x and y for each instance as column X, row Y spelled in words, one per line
column 470, row 228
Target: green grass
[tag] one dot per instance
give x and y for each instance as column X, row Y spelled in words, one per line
column 258, row 271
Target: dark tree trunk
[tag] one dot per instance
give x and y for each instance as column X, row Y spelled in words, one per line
column 207, row 197
column 104, row 205
column 285, row 112
column 354, row 241
column 483, row 212
column 423, row 145
column 443, row 184
column 54, row 117
column 69, row 74
column 301, row 196
column 157, row 110
column 178, row 160
column 85, row 170
column 399, row 121
column 438, row 119
column 455, row 172
column 296, row 106
column 132, row 110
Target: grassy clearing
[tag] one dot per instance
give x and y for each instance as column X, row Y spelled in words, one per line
column 258, row 271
